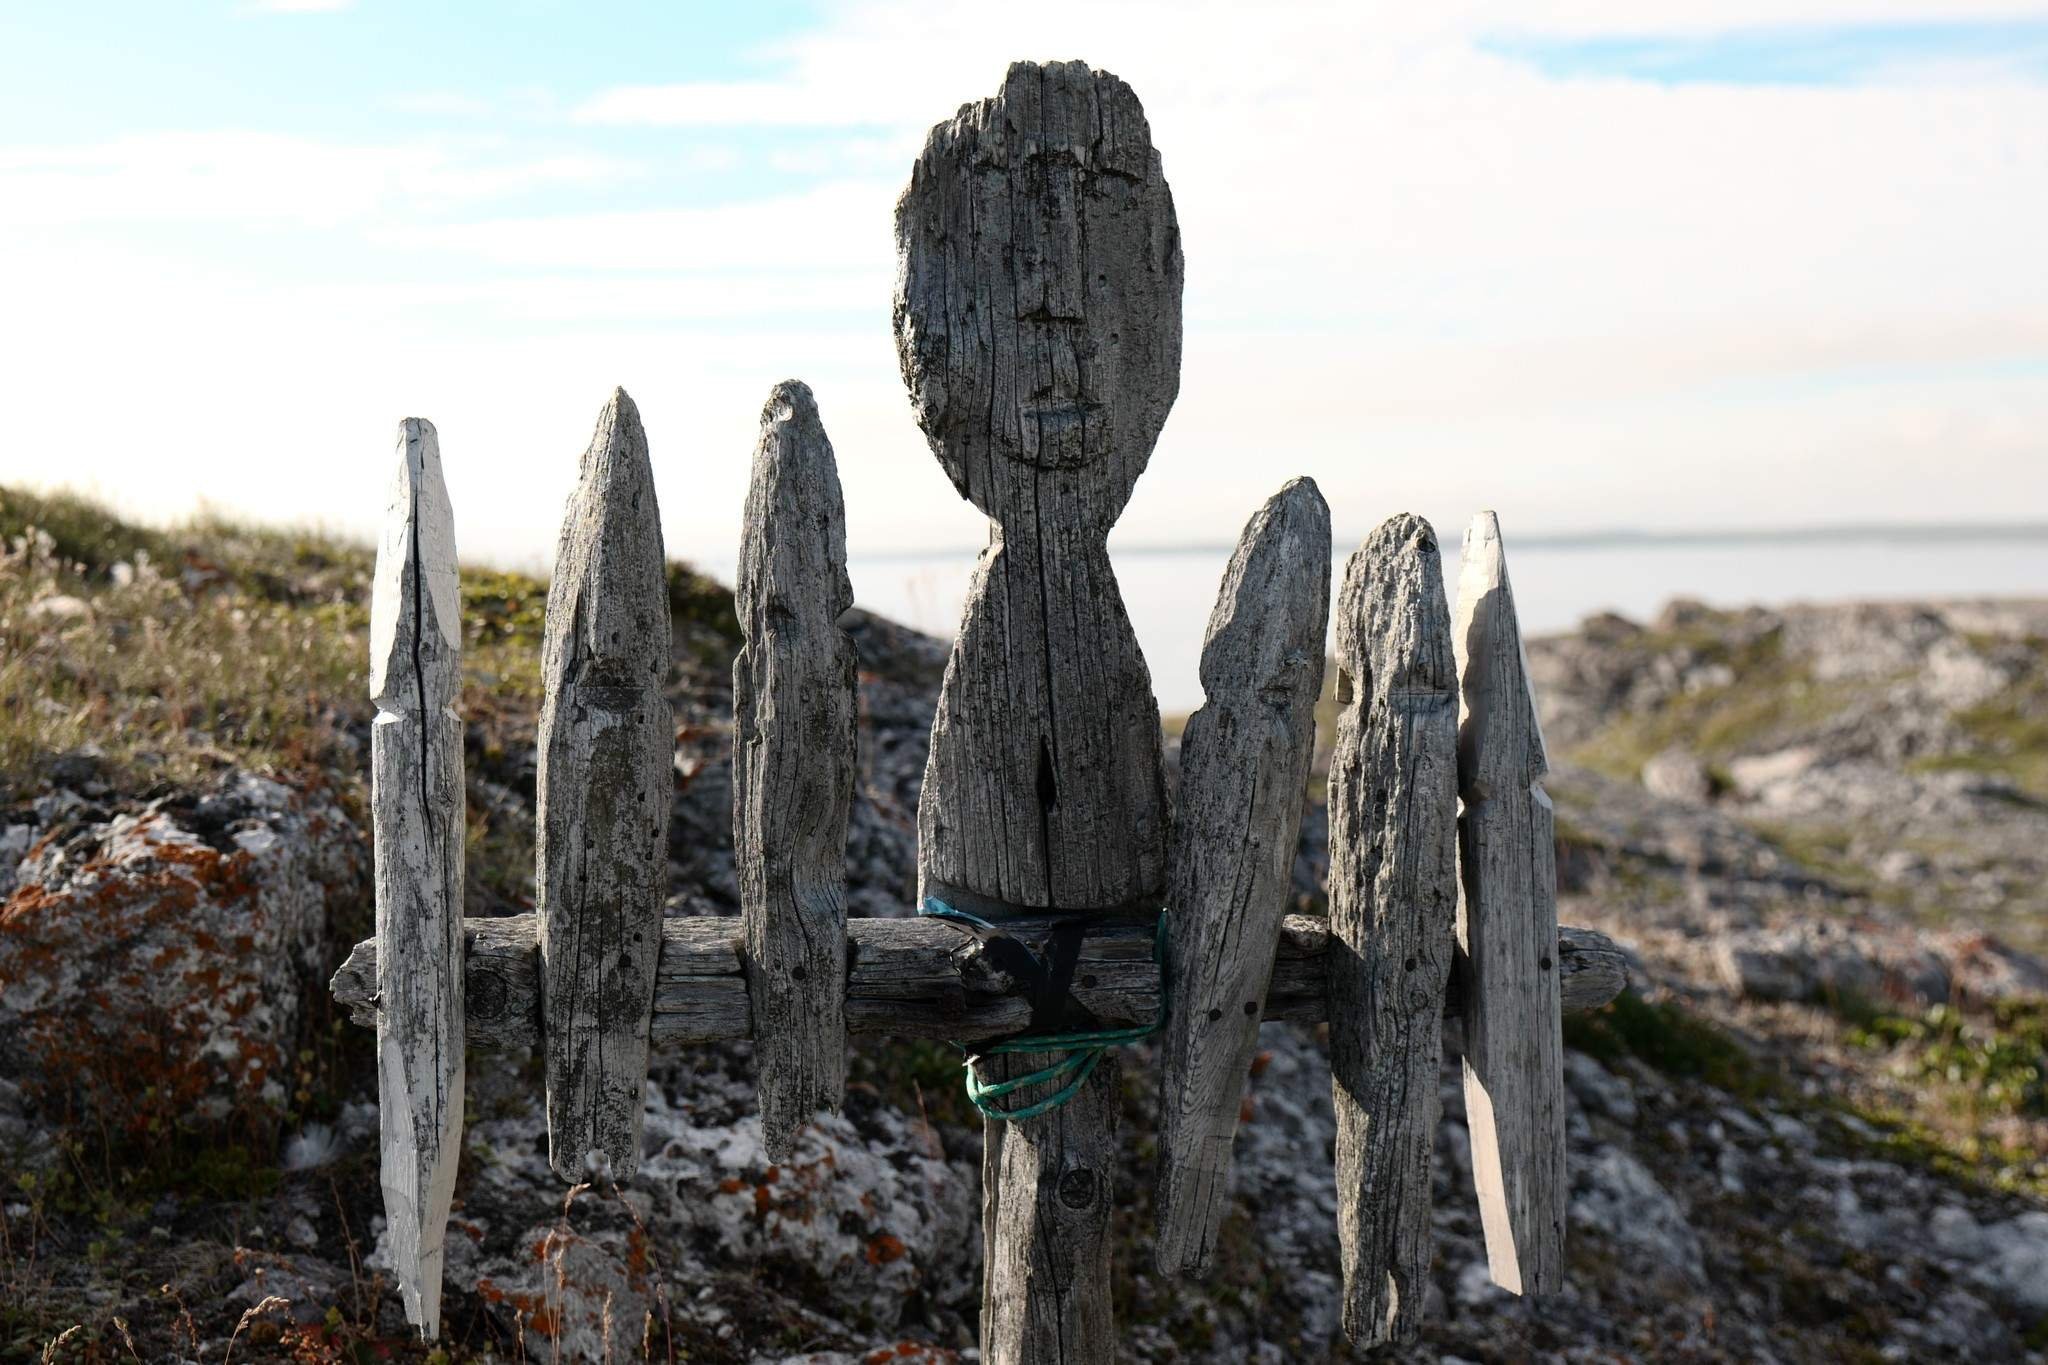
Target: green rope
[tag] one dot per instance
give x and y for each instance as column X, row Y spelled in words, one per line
column 1083, row 1050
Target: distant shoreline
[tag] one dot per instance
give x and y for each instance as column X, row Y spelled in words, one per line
column 1875, row 533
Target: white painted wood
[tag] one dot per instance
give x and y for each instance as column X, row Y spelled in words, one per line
column 1244, row 760
column 1038, row 325
column 910, row 978
column 607, row 746
column 1393, row 803
column 416, row 805
column 794, row 706
column 1507, row 931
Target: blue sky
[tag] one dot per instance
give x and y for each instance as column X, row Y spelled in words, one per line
column 1663, row 264
column 1806, row 55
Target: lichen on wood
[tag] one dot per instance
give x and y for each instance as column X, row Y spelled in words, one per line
column 607, row 749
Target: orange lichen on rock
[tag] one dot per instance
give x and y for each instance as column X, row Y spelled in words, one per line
column 152, row 967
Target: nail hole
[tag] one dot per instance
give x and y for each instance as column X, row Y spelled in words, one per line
column 1214, row 1015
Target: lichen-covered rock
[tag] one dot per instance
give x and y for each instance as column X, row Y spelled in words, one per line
column 868, row 1224
column 153, row 964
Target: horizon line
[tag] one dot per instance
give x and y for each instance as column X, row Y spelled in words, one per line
column 1606, row 538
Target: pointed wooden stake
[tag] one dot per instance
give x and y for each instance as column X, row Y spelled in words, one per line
column 1244, row 772
column 416, row 803
column 1393, row 897
column 1507, row 930
column 607, row 749
column 793, row 765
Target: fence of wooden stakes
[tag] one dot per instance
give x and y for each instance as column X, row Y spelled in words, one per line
column 1067, row 904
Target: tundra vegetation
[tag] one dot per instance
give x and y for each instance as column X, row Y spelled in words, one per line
column 1820, row 830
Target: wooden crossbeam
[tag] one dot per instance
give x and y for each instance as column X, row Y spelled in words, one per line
column 910, row 978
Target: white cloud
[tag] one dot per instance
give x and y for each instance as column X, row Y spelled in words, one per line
column 262, row 178
column 1431, row 277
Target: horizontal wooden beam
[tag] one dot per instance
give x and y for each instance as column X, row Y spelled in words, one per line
column 911, row 978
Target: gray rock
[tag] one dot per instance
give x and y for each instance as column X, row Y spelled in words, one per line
column 2012, row 1261
column 1598, row 1089
column 1615, row 1196
column 1828, row 959
column 1677, row 774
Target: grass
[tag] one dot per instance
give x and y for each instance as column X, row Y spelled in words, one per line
column 166, row 685
column 171, row 654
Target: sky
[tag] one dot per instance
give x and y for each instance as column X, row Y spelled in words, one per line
column 1656, row 265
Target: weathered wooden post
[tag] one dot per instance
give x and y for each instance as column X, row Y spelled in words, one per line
column 416, row 806
column 607, row 750
column 1507, row 929
column 1393, row 801
column 1038, row 323
column 793, row 765
column 1244, row 760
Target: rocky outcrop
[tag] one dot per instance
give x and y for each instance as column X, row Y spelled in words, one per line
column 869, row 1225
column 154, row 964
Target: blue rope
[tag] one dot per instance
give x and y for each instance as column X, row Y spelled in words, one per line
column 1082, row 1050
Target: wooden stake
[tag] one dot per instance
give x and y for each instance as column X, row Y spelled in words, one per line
column 1507, row 929
column 1244, row 760
column 1038, row 325
column 793, row 765
column 607, row 749
column 1393, row 896
column 416, row 803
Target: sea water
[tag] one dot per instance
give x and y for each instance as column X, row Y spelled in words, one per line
column 1558, row 581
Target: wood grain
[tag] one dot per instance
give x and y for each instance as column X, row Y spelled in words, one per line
column 1038, row 325
column 607, row 746
column 1507, row 932
column 416, row 805
column 911, row 979
column 793, row 765
column 1393, row 802
column 1244, row 762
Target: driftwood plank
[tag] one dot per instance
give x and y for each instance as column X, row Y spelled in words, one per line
column 607, row 745
column 1244, row 761
column 1507, row 931
column 416, row 805
column 1393, row 900
column 1038, row 322
column 793, row 765
column 912, row 979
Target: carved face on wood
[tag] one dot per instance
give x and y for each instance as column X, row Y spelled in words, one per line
column 1038, row 312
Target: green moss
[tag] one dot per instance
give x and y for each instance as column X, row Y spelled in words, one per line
column 1994, row 1062
column 1665, row 1036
